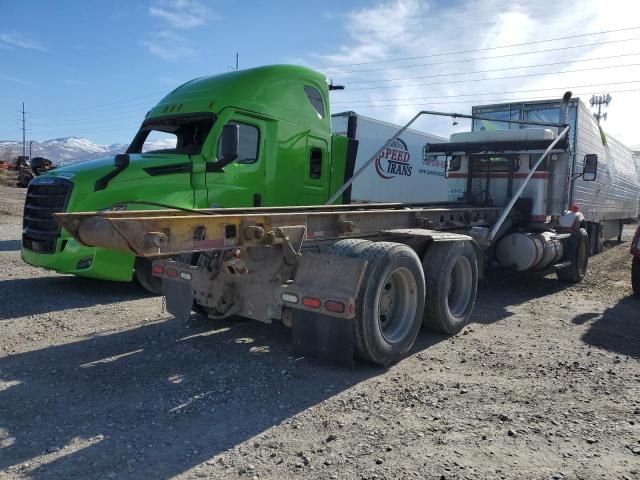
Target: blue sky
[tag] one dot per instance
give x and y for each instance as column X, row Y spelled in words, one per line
column 92, row 69
column 84, row 67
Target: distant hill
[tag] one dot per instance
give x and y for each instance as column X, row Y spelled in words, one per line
column 63, row 151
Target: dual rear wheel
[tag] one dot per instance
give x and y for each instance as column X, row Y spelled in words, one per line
column 400, row 293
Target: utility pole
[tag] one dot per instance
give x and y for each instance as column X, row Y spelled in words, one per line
column 600, row 100
column 24, row 129
column 237, row 63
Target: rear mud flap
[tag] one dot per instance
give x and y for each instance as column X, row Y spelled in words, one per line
column 179, row 298
column 323, row 337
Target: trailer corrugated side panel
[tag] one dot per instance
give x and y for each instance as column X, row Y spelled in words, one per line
column 615, row 194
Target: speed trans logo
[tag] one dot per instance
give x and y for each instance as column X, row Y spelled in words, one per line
column 394, row 161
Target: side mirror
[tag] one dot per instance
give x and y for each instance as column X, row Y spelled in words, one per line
column 229, row 144
column 590, row 167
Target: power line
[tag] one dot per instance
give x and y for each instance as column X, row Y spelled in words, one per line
column 499, row 78
column 570, row 87
column 110, row 105
column 482, row 49
column 448, row 74
column 486, row 58
column 132, row 114
column 138, row 112
column 487, row 101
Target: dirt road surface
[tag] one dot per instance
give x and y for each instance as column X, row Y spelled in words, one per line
column 97, row 382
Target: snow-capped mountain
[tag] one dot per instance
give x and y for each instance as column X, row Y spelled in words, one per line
column 63, row 151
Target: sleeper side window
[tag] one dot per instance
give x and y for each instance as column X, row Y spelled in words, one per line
column 315, row 163
column 315, row 98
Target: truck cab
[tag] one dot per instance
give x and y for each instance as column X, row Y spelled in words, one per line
column 286, row 155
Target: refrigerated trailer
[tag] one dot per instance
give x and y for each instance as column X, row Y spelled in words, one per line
column 362, row 279
column 613, row 197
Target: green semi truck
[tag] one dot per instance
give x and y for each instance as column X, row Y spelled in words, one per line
column 287, row 156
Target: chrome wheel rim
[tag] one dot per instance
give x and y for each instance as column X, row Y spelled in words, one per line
column 460, row 279
column 397, row 305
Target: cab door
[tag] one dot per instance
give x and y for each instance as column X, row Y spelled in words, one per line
column 242, row 182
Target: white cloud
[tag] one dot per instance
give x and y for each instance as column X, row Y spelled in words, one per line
column 18, row 40
column 181, row 14
column 421, row 31
column 168, row 46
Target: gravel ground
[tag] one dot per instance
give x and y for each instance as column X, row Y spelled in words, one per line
column 97, row 382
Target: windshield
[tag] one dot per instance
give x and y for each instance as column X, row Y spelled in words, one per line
column 177, row 134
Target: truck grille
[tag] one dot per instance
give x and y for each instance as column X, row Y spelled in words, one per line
column 40, row 231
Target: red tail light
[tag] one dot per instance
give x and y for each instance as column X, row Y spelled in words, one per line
column 335, row 307
column 311, row 302
column 171, row 272
column 158, row 269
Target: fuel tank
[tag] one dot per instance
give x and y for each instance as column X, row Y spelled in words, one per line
column 529, row 251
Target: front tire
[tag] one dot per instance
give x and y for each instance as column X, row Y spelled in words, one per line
column 451, row 276
column 635, row 275
column 579, row 257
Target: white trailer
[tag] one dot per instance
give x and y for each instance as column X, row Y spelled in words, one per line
column 399, row 173
column 613, row 197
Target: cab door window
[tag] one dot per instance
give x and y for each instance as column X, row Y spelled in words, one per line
column 249, row 143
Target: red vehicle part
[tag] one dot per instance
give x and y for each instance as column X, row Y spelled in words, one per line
column 635, row 265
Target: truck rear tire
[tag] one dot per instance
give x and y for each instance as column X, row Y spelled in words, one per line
column 350, row 247
column 145, row 278
column 390, row 302
column 635, row 275
column 451, row 277
column 579, row 257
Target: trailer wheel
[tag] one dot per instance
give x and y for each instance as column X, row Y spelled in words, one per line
column 142, row 269
column 390, row 304
column 451, row 276
column 635, row 275
column 600, row 240
column 596, row 241
column 349, row 247
column 579, row 257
